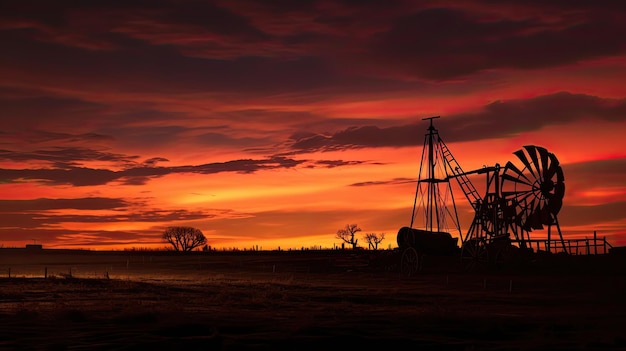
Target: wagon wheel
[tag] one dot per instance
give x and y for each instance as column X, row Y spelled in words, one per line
column 506, row 255
column 474, row 254
column 410, row 262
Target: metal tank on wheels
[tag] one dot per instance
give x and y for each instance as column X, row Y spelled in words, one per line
column 434, row 218
column 414, row 244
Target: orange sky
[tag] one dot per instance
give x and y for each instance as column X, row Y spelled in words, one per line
column 276, row 125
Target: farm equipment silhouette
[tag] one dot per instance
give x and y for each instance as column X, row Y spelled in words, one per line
column 517, row 200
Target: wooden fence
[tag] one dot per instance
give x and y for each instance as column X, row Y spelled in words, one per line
column 586, row 246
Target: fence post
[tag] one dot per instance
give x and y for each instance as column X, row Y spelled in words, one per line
column 595, row 244
column 569, row 247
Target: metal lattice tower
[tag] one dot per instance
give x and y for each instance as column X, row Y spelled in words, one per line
column 434, row 207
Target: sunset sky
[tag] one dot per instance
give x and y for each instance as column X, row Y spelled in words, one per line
column 276, row 123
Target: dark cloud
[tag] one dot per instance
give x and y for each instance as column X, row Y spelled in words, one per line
column 253, row 46
column 336, row 163
column 138, row 175
column 76, row 176
column 212, row 139
column 18, row 222
column 151, row 162
column 59, row 14
column 385, row 182
column 138, row 180
column 164, row 47
column 143, row 216
column 34, row 137
column 244, row 166
column 143, row 137
column 556, row 6
column 89, row 24
column 36, row 213
column 511, row 117
column 580, row 215
column 207, row 15
column 43, row 214
column 67, row 156
column 26, row 111
column 596, row 174
column 36, row 116
column 82, row 239
column 163, row 69
column 445, row 43
column 497, row 120
column 360, row 137
column 65, row 166
column 41, row 219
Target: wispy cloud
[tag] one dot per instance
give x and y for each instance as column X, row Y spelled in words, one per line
column 83, row 176
column 385, row 182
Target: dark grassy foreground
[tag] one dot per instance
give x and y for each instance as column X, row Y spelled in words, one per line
column 296, row 301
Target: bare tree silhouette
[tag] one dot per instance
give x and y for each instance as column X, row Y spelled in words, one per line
column 374, row 239
column 347, row 234
column 184, row 238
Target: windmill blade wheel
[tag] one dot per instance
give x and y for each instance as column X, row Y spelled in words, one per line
column 535, row 188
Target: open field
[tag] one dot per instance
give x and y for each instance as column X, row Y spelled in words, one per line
column 303, row 300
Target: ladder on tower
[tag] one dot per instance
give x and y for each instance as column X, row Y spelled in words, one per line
column 466, row 185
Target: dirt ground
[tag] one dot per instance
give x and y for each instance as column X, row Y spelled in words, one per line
column 300, row 302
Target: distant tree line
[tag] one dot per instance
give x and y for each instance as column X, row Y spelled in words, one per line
column 189, row 238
